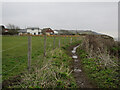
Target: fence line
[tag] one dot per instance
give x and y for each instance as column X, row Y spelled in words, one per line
column 54, row 43
column 64, row 40
column 59, row 42
column 30, row 49
column 71, row 40
column 44, row 45
column 29, row 52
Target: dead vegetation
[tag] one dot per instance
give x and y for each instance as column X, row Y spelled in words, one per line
column 54, row 73
column 101, row 47
column 101, row 59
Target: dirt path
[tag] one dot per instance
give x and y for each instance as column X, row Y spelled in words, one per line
column 79, row 75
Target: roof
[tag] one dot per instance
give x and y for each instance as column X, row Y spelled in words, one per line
column 32, row 28
column 22, row 30
column 48, row 30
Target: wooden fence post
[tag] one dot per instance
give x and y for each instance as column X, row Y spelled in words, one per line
column 44, row 45
column 65, row 40
column 54, row 43
column 59, row 42
column 71, row 40
column 29, row 52
column 77, row 38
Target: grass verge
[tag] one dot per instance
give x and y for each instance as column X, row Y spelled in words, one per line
column 105, row 77
column 54, row 72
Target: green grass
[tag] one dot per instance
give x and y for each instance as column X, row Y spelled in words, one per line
column 0, row 58
column 104, row 77
column 54, row 72
column 14, row 52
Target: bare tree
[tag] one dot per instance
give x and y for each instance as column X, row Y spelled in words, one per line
column 12, row 27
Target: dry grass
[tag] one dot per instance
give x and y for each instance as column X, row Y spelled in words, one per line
column 99, row 56
column 55, row 72
column 99, row 47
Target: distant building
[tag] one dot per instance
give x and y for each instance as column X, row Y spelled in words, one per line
column 55, row 32
column 22, row 32
column 31, row 31
column 34, row 31
column 48, row 31
column 3, row 30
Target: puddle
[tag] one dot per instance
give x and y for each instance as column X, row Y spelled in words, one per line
column 76, row 60
column 81, row 80
column 73, row 51
column 77, row 70
column 74, row 56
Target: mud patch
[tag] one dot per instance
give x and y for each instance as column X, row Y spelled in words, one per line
column 79, row 75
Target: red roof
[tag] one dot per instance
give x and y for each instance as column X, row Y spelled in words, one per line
column 49, row 30
column 6, row 29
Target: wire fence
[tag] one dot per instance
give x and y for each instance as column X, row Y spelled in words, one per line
column 13, row 47
column 19, row 50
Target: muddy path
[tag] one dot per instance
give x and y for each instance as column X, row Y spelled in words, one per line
column 82, row 80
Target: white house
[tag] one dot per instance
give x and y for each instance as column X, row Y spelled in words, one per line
column 55, row 32
column 31, row 30
column 34, row 31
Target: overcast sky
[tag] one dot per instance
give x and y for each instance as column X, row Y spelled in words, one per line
column 101, row 17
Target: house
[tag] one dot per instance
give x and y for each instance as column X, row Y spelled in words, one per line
column 22, row 32
column 31, row 31
column 3, row 30
column 55, row 32
column 6, row 30
column 48, row 31
column 34, row 31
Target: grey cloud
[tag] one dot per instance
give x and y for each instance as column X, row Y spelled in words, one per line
column 100, row 17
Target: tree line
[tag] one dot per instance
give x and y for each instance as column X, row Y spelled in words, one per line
column 10, row 29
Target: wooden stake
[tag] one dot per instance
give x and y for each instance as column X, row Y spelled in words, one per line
column 59, row 42
column 29, row 52
column 65, row 40
column 71, row 40
column 54, row 43
column 44, row 45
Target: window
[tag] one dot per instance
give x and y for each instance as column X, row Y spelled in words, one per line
column 38, row 32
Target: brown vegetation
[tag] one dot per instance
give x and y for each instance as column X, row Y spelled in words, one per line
column 101, row 46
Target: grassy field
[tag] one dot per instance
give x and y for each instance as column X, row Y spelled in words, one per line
column 0, row 58
column 14, row 52
column 54, row 69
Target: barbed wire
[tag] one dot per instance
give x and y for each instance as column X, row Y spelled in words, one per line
column 20, row 62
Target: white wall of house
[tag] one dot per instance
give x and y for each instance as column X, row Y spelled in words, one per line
column 34, row 31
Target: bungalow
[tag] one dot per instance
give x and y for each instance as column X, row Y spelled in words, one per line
column 3, row 30
column 55, row 32
column 48, row 31
column 34, row 31
column 30, row 30
column 22, row 32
